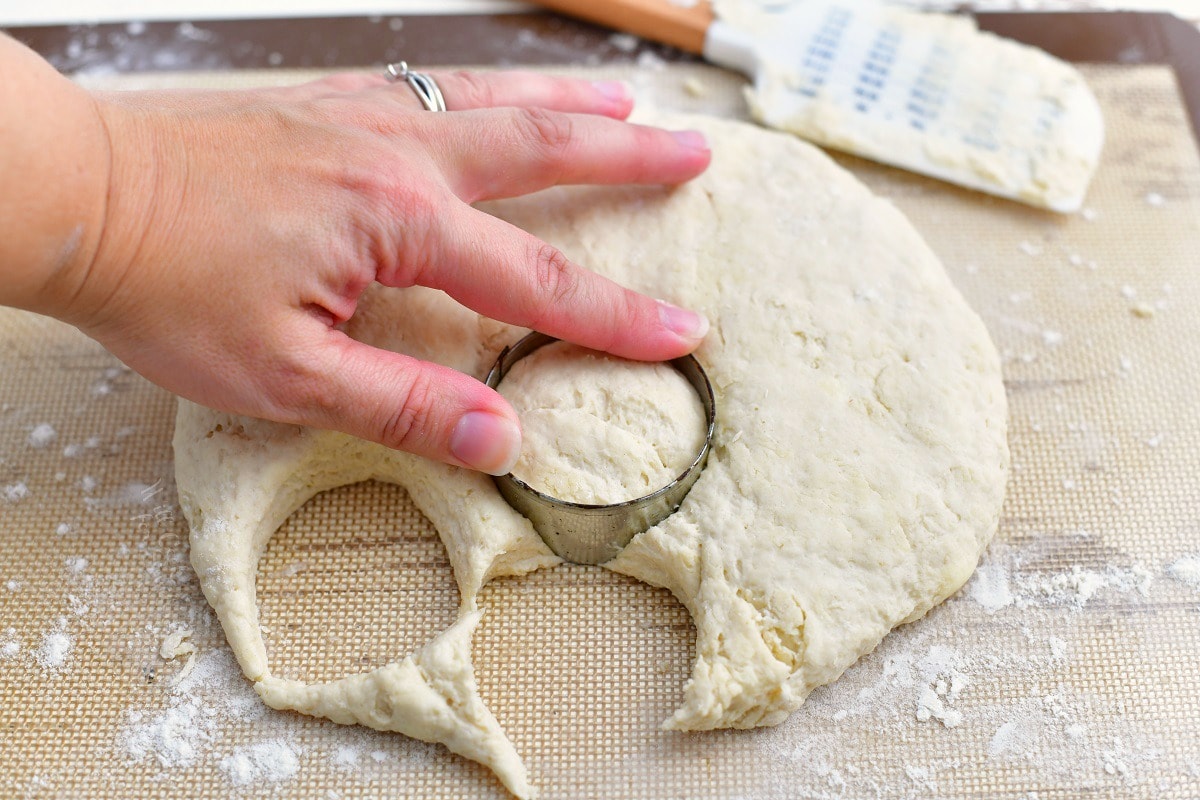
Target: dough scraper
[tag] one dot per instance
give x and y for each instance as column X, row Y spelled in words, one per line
column 928, row 93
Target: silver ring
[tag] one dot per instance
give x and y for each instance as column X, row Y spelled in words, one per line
column 424, row 85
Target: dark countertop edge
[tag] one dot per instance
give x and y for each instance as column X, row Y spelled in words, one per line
column 537, row 38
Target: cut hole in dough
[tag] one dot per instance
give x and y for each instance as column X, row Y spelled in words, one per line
column 610, row 647
column 340, row 582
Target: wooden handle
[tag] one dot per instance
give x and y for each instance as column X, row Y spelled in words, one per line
column 660, row 20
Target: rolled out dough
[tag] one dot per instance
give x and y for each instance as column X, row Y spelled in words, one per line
column 600, row 429
column 857, row 473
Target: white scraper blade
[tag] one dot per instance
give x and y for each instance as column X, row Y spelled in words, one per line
column 924, row 92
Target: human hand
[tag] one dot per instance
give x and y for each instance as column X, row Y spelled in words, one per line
column 242, row 228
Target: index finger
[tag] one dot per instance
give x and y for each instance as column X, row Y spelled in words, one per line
column 508, row 274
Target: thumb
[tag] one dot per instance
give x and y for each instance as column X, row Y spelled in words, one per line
column 418, row 407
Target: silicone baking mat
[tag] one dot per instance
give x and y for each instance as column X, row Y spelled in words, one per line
column 1070, row 665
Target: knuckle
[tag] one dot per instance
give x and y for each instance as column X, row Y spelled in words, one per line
column 556, row 280
column 397, row 221
column 296, row 389
column 413, row 235
column 395, row 199
column 470, row 89
column 549, row 132
column 406, row 425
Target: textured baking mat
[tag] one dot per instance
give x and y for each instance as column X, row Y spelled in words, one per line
column 1069, row 666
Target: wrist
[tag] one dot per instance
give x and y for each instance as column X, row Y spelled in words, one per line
column 54, row 169
column 89, row 294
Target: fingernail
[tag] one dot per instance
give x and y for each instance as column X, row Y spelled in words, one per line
column 687, row 324
column 486, row 442
column 693, row 140
column 616, row 91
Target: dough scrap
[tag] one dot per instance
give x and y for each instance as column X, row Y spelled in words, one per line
column 600, row 429
column 857, row 473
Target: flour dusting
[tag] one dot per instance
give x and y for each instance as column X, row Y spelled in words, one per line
column 42, row 436
column 270, row 762
column 1187, row 570
column 199, row 710
column 55, row 650
column 14, row 492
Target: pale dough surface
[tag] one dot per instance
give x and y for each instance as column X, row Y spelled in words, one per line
column 599, row 429
column 857, row 473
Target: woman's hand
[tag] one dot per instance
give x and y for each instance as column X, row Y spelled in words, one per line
column 241, row 227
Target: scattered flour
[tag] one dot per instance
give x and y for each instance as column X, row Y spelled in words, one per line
column 625, row 42
column 648, row 60
column 11, row 647
column 941, row 681
column 76, row 564
column 1009, row 738
column 989, row 587
column 15, row 492
column 199, row 708
column 134, row 493
column 1021, row 711
column 1078, row 586
column 1003, row 580
column 173, row 737
column 346, row 757
column 186, row 30
column 77, row 606
column 137, row 493
column 270, row 761
column 42, row 436
column 1187, row 570
column 931, row 706
column 56, row 648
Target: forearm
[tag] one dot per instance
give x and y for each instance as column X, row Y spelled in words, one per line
column 54, row 176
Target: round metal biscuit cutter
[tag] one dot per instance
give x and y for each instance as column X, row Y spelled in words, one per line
column 592, row 534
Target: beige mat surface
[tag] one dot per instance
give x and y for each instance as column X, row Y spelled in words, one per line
column 1069, row 666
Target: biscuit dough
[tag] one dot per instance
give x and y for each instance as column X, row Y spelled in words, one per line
column 857, row 472
column 599, row 429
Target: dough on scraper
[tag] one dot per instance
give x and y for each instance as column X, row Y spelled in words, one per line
column 857, row 472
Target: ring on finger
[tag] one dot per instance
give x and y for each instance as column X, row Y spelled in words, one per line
column 423, row 84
